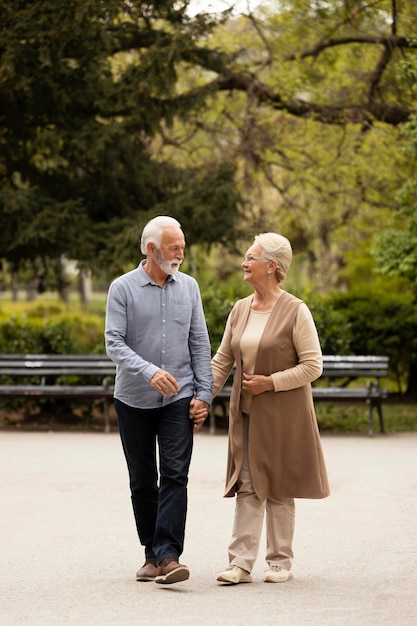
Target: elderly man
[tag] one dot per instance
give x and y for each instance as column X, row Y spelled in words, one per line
column 157, row 335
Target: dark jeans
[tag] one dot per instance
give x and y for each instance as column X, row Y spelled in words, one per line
column 159, row 506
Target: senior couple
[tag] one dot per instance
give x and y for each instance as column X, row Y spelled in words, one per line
column 165, row 380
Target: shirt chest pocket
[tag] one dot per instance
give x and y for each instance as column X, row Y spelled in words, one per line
column 181, row 309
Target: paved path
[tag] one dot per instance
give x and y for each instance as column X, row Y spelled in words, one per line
column 68, row 549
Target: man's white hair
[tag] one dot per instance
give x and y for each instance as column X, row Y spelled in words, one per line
column 154, row 229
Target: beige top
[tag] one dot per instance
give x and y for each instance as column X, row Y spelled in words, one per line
column 249, row 348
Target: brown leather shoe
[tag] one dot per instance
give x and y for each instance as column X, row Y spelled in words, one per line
column 148, row 571
column 170, row 571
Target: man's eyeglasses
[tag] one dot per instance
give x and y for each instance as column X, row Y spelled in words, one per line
column 249, row 258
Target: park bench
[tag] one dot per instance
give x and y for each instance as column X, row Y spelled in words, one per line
column 58, row 376
column 341, row 371
column 49, row 375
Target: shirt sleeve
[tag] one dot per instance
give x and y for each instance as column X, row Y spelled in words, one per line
column 307, row 346
column 115, row 336
column 199, row 342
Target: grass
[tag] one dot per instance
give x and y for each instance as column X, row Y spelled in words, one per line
column 399, row 416
column 340, row 418
column 96, row 306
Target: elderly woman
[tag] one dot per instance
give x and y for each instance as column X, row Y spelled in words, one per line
column 274, row 452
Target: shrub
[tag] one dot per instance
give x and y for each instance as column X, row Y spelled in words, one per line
column 333, row 326
column 218, row 301
column 382, row 323
column 48, row 329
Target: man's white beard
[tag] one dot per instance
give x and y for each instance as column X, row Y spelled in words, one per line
column 168, row 267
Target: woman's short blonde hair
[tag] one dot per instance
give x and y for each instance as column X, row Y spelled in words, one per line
column 276, row 248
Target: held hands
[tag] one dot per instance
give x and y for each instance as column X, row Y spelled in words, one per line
column 254, row 384
column 198, row 413
column 165, row 383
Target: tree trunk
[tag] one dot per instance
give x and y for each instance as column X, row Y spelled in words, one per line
column 62, row 280
column 32, row 289
column 15, row 287
column 84, row 287
column 412, row 380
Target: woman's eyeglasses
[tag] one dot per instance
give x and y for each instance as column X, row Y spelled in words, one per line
column 249, row 258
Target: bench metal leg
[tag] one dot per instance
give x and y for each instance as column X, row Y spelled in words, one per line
column 377, row 405
column 225, row 409
column 107, row 427
column 212, row 422
column 370, row 418
column 381, row 419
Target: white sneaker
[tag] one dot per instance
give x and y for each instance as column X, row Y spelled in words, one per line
column 234, row 575
column 277, row 574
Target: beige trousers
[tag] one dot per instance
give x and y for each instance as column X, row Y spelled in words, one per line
column 248, row 522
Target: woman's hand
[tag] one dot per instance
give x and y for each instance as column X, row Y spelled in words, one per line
column 198, row 413
column 257, row 383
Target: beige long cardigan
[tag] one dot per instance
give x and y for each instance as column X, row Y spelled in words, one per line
column 285, row 453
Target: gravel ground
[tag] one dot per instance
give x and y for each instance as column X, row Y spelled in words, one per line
column 69, row 551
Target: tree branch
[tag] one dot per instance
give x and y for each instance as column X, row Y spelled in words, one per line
column 390, row 42
column 228, row 80
column 328, row 114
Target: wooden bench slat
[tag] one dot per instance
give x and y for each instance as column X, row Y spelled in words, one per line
column 54, row 371
column 95, row 391
column 54, row 357
column 355, row 358
column 347, row 393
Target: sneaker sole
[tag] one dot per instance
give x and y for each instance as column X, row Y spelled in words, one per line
column 176, row 576
column 145, row 579
column 223, row 579
column 282, row 580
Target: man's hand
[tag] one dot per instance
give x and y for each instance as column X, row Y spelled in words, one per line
column 198, row 413
column 164, row 383
column 257, row 383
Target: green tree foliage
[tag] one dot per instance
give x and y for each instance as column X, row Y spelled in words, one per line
column 86, row 87
column 304, row 42
column 396, row 248
column 312, row 113
column 113, row 112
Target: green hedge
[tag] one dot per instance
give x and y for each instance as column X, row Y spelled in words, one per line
column 382, row 323
column 50, row 329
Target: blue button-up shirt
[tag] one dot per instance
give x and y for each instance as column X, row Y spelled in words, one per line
column 149, row 327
